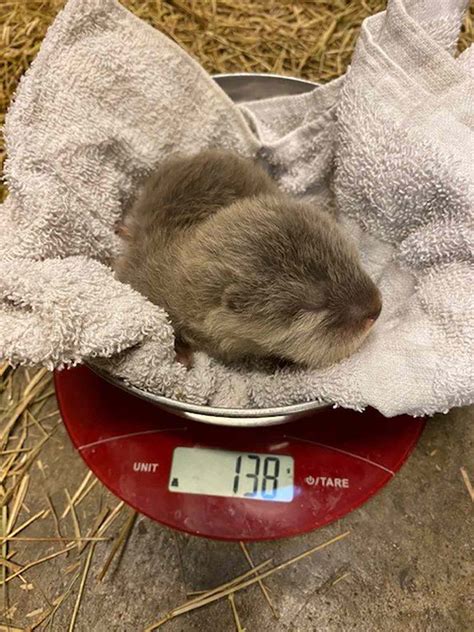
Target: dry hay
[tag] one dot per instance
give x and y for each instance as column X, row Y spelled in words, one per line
column 312, row 39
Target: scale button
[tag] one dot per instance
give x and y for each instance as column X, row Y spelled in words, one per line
column 327, row 481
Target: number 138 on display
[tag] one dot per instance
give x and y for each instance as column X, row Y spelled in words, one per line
column 245, row 475
column 263, row 477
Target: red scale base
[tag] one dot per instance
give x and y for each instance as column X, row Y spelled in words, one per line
column 341, row 458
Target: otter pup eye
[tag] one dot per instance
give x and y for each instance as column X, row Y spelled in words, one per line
column 235, row 299
column 313, row 306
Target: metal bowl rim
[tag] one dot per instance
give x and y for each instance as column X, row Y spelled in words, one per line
column 213, row 411
column 265, row 75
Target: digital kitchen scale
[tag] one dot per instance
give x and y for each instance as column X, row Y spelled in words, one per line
column 231, row 483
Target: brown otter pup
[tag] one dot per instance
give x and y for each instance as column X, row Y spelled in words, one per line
column 242, row 269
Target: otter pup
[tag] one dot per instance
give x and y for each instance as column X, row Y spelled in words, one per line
column 242, row 269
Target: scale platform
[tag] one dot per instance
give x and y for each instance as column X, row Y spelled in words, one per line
column 231, row 483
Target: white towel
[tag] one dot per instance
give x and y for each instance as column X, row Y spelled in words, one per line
column 392, row 139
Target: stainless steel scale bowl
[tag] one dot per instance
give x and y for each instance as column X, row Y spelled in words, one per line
column 239, row 87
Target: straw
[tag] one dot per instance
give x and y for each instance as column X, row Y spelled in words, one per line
column 81, row 588
column 263, row 588
column 467, row 482
column 119, row 544
column 223, row 591
column 40, row 561
column 235, row 614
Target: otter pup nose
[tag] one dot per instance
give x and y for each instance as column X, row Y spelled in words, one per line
column 365, row 309
column 375, row 313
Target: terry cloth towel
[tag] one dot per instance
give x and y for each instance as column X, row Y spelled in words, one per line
column 392, row 139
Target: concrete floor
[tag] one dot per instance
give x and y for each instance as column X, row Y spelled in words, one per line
column 409, row 557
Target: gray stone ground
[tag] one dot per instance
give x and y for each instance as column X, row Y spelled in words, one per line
column 409, row 557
